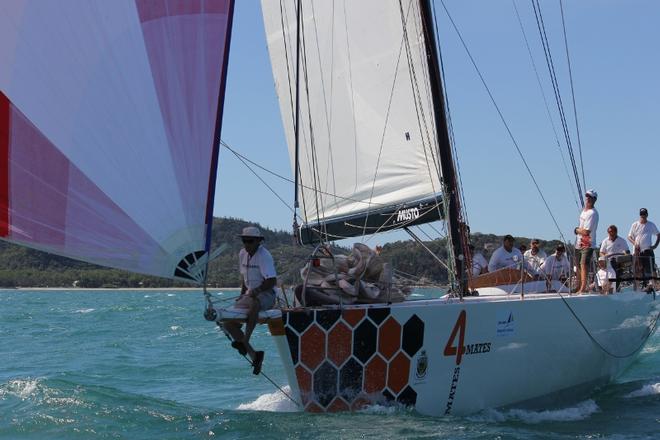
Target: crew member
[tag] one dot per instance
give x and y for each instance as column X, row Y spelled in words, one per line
column 586, row 238
column 505, row 256
column 258, row 280
column 641, row 236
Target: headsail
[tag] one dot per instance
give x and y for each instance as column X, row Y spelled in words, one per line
column 367, row 135
column 107, row 128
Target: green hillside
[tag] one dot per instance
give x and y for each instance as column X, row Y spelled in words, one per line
column 22, row 267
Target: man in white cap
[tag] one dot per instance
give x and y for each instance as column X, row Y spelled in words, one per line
column 586, row 238
column 641, row 236
column 258, row 279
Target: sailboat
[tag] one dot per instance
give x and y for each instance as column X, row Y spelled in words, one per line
column 110, row 124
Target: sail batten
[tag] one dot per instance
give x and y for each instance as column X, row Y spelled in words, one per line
column 363, row 144
column 112, row 123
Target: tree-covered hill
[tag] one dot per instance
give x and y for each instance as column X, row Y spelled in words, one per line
column 22, row 267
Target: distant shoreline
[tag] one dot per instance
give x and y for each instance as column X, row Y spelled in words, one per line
column 192, row 289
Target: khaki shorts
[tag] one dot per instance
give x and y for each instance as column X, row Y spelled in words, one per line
column 585, row 255
column 266, row 301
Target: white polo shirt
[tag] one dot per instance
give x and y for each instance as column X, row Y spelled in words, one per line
column 478, row 263
column 257, row 268
column 556, row 268
column 501, row 259
column 643, row 234
column 535, row 261
column 616, row 246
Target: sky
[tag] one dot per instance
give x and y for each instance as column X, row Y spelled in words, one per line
column 613, row 48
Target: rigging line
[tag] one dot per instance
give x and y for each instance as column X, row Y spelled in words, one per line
column 450, row 125
column 328, row 115
column 555, row 85
column 547, row 106
column 286, row 179
column 283, row 20
column 419, row 110
column 350, row 83
column 281, row 390
column 315, row 161
column 266, row 184
column 599, row 345
column 553, row 77
column 421, row 243
column 382, row 139
column 570, row 76
column 499, row 112
column 286, row 58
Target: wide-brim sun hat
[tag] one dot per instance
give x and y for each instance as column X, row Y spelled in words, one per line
column 251, row 231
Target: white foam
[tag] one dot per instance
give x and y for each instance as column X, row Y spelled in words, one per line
column 383, row 409
column 84, row 310
column 22, row 388
column 580, row 411
column 651, row 349
column 275, row 401
column 175, row 327
column 646, row 390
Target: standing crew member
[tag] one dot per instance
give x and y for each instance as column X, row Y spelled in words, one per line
column 614, row 245
column 258, row 279
column 641, row 236
column 586, row 238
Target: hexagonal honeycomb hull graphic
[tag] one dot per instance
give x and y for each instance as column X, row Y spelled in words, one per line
column 347, row 359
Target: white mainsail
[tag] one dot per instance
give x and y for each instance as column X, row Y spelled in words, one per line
column 367, row 138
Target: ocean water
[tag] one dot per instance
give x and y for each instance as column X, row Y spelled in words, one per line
column 146, row 365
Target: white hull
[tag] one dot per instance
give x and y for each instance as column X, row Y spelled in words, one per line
column 531, row 352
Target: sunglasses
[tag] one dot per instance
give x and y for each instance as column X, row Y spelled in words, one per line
column 249, row 240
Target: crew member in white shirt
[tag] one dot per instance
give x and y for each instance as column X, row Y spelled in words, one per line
column 479, row 263
column 603, row 276
column 612, row 246
column 535, row 256
column 556, row 266
column 258, row 280
column 641, row 236
column 586, row 238
column 505, row 256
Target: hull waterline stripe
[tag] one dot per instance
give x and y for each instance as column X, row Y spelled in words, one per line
column 4, row 165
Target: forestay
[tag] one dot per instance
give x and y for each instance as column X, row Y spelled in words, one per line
column 367, row 139
column 108, row 115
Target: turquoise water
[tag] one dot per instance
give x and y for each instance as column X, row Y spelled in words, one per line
column 145, row 365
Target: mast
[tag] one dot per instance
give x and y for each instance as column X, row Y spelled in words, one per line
column 296, row 128
column 450, row 187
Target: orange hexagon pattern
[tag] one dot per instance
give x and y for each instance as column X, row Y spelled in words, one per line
column 348, row 359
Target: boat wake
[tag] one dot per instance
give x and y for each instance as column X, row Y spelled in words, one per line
column 274, row 402
column 581, row 411
column 646, row 390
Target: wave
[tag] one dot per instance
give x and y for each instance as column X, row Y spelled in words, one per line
column 581, row 411
column 84, row 310
column 646, row 390
column 274, row 402
column 35, row 389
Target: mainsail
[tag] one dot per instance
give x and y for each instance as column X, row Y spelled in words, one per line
column 109, row 129
column 368, row 149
